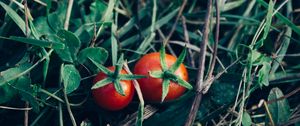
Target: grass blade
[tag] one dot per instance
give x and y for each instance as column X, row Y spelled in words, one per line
column 41, row 43
column 15, row 17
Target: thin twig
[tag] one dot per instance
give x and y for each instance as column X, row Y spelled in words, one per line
column 199, row 84
column 269, row 113
column 13, row 108
column 176, row 21
column 215, row 47
column 68, row 14
column 69, row 109
column 26, row 18
column 187, row 40
column 26, row 112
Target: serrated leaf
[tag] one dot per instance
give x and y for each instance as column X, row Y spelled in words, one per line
column 178, row 62
column 162, row 58
column 165, row 89
column 102, row 83
column 71, row 78
column 72, row 45
column 280, row 110
column 246, row 119
column 255, row 56
column 41, row 43
column 183, row 83
column 118, row 87
column 15, row 17
column 101, row 67
column 98, row 54
column 13, row 73
column 263, row 74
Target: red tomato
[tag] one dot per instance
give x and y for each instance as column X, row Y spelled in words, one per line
column 152, row 87
column 108, row 98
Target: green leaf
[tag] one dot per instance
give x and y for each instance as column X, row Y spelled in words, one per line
column 178, row 62
column 156, row 74
column 130, row 77
column 15, row 17
column 184, row 83
column 162, row 58
column 165, row 89
column 56, row 19
column 41, row 43
column 71, row 78
column 72, row 45
column 27, row 93
column 13, row 73
column 280, row 110
column 102, row 83
column 263, row 74
column 101, row 67
column 97, row 9
column 228, row 89
column 118, row 87
column 98, row 54
column 42, row 26
column 246, row 119
column 7, row 93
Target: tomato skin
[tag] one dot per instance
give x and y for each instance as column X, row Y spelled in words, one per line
column 152, row 87
column 108, row 98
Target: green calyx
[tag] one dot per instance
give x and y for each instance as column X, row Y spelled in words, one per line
column 168, row 74
column 114, row 76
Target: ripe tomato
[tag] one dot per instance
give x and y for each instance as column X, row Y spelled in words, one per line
column 108, row 98
column 152, row 87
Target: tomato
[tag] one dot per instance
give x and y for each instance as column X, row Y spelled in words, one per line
column 108, row 98
column 152, row 87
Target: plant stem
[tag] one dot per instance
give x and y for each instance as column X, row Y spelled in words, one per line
column 68, row 14
column 199, row 84
column 215, row 47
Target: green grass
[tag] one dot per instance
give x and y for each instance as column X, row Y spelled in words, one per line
column 48, row 65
